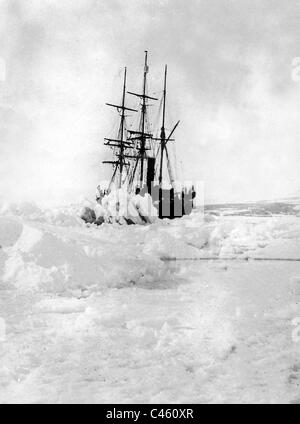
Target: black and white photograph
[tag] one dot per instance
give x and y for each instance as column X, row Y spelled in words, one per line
column 149, row 204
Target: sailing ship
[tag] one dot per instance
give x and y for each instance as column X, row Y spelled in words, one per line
column 141, row 159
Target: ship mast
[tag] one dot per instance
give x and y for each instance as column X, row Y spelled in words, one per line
column 162, row 132
column 120, row 143
column 163, row 140
column 142, row 135
column 143, row 139
column 121, row 135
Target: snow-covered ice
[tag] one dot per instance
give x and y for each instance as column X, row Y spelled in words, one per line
column 100, row 314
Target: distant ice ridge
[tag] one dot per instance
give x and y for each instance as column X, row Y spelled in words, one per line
column 67, row 215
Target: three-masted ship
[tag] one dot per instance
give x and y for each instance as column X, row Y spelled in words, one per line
column 141, row 159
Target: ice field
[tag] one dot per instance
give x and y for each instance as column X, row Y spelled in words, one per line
column 106, row 314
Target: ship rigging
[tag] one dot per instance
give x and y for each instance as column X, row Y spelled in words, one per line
column 140, row 157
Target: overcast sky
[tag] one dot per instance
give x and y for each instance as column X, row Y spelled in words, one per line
column 230, row 84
